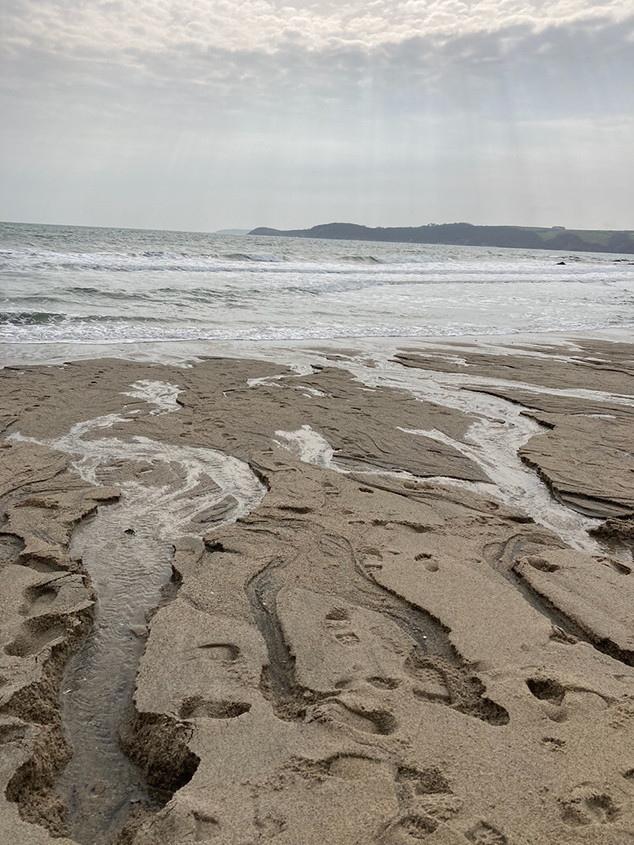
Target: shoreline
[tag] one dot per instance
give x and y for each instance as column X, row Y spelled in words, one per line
column 412, row 619
column 174, row 351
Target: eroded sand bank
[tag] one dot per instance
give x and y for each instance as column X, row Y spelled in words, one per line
column 381, row 625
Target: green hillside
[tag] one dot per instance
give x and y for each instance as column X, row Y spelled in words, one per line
column 466, row 234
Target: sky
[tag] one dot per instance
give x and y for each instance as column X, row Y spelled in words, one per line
column 208, row 114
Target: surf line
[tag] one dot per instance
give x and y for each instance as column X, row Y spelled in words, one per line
column 168, row 493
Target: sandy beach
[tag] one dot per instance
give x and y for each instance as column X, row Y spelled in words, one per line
column 360, row 599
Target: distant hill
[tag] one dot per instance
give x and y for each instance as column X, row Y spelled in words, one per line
column 465, row 234
column 232, row 232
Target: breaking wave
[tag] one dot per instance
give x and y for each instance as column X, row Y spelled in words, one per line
column 75, row 285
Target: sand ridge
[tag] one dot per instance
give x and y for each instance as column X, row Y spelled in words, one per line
column 363, row 657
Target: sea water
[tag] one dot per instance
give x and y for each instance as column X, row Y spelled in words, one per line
column 71, row 284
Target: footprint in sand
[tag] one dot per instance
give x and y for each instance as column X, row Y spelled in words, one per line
column 430, row 683
column 546, row 689
column 371, row 560
column 368, row 721
column 552, row 693
column 412, row 827
column 206, row 826
column 540, row 563
column 54, row 609
column 11, row 547
column 379, row 682
column 347, row 638
column 39, row 597
column 222, row 652
column 426, row 802
column 589, row 804
column 338, row 619
column 485, row 834
column 353, row 767
column 427, row 791
column 553, row 743
column 337, row 616
column 422, row 781
column 39, row 633
column 270, row 824
column 197, row 707
column 427, row 561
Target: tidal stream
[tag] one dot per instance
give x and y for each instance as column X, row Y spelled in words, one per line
column 126, row 550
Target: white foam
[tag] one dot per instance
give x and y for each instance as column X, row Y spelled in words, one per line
column 493, row 441
column 310, row 391
column 308, row 445
column 158, row 393
column 204, row 478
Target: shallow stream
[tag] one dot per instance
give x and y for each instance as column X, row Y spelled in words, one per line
column 126, row 551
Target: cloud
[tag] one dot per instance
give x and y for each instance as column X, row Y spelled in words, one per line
column 493, row 58
column 585, row 67
column 267, row 99
column 107, row 27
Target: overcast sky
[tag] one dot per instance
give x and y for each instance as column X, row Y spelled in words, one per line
column 207, row 114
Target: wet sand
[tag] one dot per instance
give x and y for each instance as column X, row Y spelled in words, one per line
column 367, row 598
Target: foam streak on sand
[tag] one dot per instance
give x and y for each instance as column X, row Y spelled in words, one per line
column 308, row 445
column 158, row 393
column 493, row 441
column 511, row 481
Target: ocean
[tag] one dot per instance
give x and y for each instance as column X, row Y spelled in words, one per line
column 88, row 285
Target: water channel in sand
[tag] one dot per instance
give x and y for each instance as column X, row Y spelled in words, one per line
column 126, row 551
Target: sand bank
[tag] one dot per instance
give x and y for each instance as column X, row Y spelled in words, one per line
column 400, row 606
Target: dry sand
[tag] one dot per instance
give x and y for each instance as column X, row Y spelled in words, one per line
column 363, row 656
